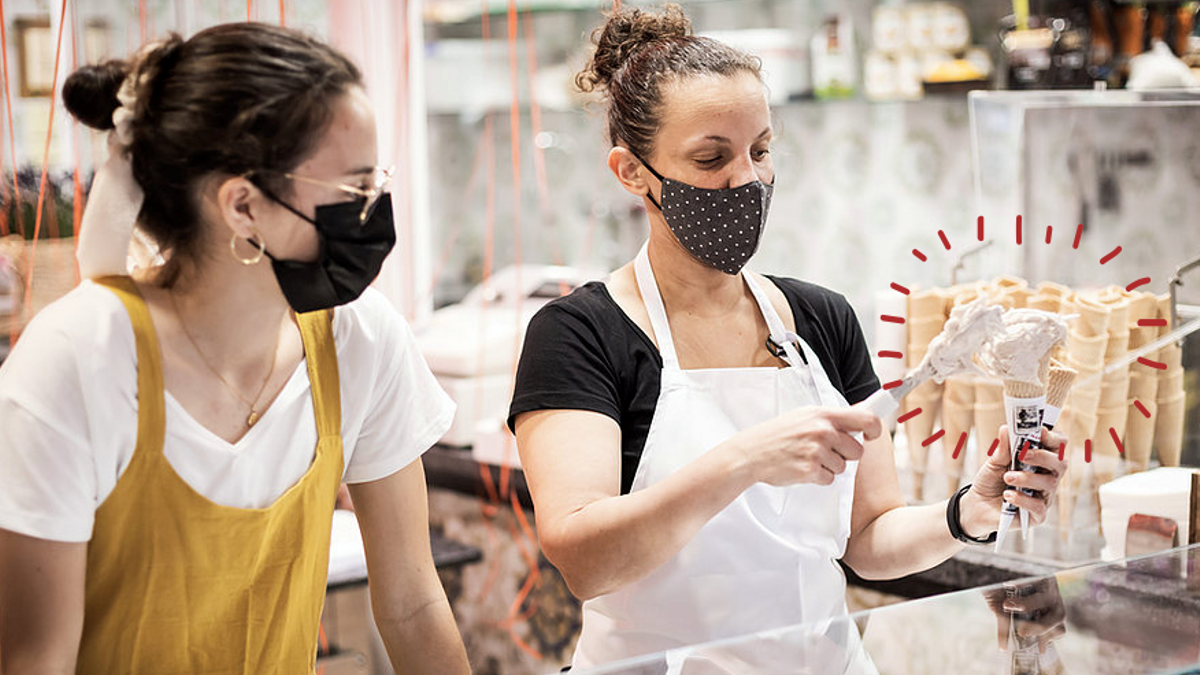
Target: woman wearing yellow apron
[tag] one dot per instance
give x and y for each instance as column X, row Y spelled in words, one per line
column 685, row 428
column 173, row 442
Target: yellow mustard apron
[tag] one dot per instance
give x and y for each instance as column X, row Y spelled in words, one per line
column 179, row 584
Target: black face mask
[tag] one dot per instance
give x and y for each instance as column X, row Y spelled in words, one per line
column 352, row 253
column 721, row 228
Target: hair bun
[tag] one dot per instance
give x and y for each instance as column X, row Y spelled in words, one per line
column 627, row 31
column 90, row 93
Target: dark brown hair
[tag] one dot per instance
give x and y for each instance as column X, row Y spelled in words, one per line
column 232, row 99
column 636, row 52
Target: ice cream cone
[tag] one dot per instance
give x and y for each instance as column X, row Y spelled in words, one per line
column 1139, row 435
column 922, row 330
column 1058, row 387
column 1114, row 389
column 1088, row 350
column 1007, row 281
column 958, row 415
column 989, row 417
column 1143, row 385
column 1105, row 453
column 1117, row 345
column 1046, row 303
column 1170, row 385
column 1118, row 311
column 1141, row 335
column 919, row 428
column 1172, row 357
column 1142, row 306
column 1168, row 429
column 1050, row 288
column 1092, row 319
column 1085, row 398
column 926, row 303
column 1016, row 296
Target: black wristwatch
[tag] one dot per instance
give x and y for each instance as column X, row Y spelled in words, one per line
column 954, row 521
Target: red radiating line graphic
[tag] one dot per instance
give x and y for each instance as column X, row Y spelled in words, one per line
column 908, row 415
column 995, row 444
column 893, row 384
column 1062, row 450
column 1140, row 282
column 1018, row 230
column 1142, row 409
column 979, row 228
column 1025, row 446
column 1152, row 322
column 920, row 256
column 1153, row 364
column 929, row 441
column 1049, row 233
column 891, row 319
column 1087, row 450
column 890, row 355
column 1078, row 234
column 945, row 241
column 962, row 440
column 898, row 287
column 1113, row 432
column 1111, row 254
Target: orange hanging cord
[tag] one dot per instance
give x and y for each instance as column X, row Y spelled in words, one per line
column 37, row 223
column 19, row 221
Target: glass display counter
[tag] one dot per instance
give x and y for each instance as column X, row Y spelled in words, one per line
column 1139, row 615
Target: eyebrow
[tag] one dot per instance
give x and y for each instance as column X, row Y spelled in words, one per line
column 361, row 171
column 722, row 139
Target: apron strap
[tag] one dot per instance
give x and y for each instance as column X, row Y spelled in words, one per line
column 320, row 357
column 654, row 307
column 780, row 335
column 150, row 398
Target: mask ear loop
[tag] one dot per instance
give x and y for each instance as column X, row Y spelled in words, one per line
column 659, row 176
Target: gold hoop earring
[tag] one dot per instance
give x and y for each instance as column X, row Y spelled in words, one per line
column 253, row 241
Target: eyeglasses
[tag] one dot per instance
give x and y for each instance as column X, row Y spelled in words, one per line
column 379, row 180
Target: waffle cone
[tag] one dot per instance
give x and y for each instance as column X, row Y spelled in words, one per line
column 1058, row 386
column 1046, row 303
column 989, row 417
column 1020, row 389
column 1087, row 349
column 1049, row 288
column 1092, row 319
column 926, row 303
column 1168, row 430
column 1139, row 436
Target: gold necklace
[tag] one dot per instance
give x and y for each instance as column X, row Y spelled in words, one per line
column 253, row 405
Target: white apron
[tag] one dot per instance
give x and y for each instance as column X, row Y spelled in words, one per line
column 769, row 558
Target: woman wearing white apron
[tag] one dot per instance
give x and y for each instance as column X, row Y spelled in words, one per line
column 690, row 483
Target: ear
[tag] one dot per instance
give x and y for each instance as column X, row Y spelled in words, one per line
column 626, row 167
column 240, row 204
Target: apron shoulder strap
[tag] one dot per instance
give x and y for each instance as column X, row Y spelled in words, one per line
column 320, row 357
column 150, row 400
column 648, row 286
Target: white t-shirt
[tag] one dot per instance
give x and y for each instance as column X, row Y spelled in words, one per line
column 68, row 416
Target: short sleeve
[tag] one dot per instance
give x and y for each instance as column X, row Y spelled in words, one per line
column 47, row 470
column 564, row 366
column 407, row 411
column 854, row 360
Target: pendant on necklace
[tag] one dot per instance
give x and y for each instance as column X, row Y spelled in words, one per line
column 252, row 418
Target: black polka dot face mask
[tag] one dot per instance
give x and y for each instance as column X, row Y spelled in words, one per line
column 721, row 228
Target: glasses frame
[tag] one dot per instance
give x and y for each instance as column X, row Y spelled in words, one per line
column 383, row 180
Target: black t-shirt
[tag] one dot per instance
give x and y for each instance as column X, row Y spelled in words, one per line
column 582, row 352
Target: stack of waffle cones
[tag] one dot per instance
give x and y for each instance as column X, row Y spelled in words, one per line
column 1168, row 420
column 927, row 312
